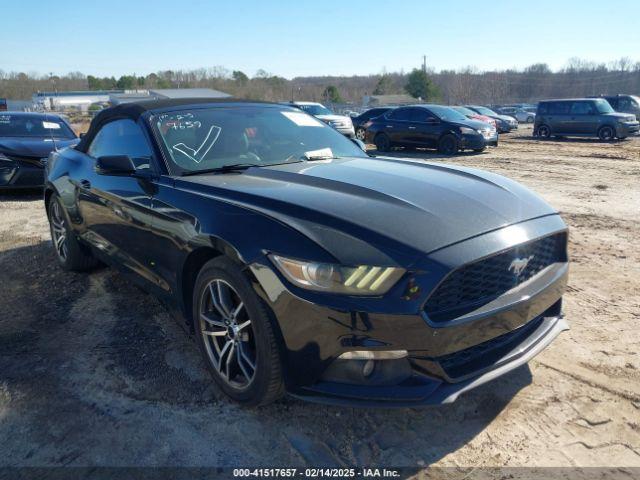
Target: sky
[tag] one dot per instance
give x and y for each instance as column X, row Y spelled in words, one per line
column 304, row 37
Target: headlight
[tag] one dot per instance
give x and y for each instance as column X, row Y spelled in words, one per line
column 327, row 277
column 469, row 131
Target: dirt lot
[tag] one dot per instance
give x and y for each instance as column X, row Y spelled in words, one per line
column 93, row 371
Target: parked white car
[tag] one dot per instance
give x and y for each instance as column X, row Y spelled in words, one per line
column 520, row 114
column 341, row 123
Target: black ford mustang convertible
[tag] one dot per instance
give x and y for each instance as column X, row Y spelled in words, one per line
column 303, row 265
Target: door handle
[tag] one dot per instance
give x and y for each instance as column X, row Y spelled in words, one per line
column 86, row 184
column 412, row 128
column 389, row 126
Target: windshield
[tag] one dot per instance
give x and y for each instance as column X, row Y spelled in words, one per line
column 201, row 139
column 447, row 114
column 485, row 111
column 603, row 106
column 37, row 126
column 465, row 111
column 315, row 109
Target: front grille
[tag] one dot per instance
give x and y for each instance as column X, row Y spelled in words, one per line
column 480, row 357
column 478, row 283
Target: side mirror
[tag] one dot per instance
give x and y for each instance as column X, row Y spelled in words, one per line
column 115, row 165
column 360, row 144
column 82, row 135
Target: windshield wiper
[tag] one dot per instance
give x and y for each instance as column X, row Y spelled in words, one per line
column 234, row 167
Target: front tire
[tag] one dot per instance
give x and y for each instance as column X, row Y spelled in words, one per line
column 448, row 145
column 235, row 335
column 606, row 133
column 71, row 254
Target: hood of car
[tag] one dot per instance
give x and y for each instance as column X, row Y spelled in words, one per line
column 621, row 116
column 32, row 147
column 420, row 205
column 506, row 118
column 472, row 123
column 340, row 118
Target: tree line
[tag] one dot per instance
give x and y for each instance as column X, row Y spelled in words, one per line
column 462, row 86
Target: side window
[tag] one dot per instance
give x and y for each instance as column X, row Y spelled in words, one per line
column 624, row 104
column 420, row 115
column 614, row 102
column 121, row 137
column 559, row 108
column 399, row 114
column 582, row 108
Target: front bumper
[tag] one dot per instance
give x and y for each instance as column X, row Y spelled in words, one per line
column 21, row 174
column 424, row 390
column 347, row 132
column 477, row 142
column 626, row 129
column 444, row 359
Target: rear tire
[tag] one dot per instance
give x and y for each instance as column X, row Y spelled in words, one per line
column 71, row 254
column 543, row 131
column 249, row 371
column 361, row 133
column 529, row 119
column 383, row 144
column 606, row 133
column 448, row 145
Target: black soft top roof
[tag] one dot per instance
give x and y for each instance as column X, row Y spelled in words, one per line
column 133, row 111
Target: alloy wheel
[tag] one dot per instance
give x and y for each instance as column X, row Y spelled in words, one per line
column 606, row 133
column 360, row 134
column 543, row 131
column 227, row 333
column 58, row 231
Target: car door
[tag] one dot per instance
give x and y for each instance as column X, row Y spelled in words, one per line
column 583, row 117
column 117, row 209
column 559, row 118
column 396, row 125
column 428, row 127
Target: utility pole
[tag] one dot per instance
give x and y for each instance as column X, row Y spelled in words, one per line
column 424, row 63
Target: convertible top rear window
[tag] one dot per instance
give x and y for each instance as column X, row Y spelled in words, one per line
column 204, row 138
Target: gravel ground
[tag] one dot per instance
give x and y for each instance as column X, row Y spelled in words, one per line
column 93, row 371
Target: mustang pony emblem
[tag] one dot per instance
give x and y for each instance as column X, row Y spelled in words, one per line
column 519, row 264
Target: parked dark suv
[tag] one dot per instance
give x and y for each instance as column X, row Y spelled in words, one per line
column 624, row 103
column 587, row 117
column 430, row 126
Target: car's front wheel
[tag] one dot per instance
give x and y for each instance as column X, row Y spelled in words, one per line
column 70, row 253
column 448, row 145
column 235, row 335
column 606, row 133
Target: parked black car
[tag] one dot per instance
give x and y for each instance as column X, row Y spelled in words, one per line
column 302, row 264
column 504, row 123
column 590, row 117
column 623, row 103
column 26, row 139
column 430, row 126
column 364, row 117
